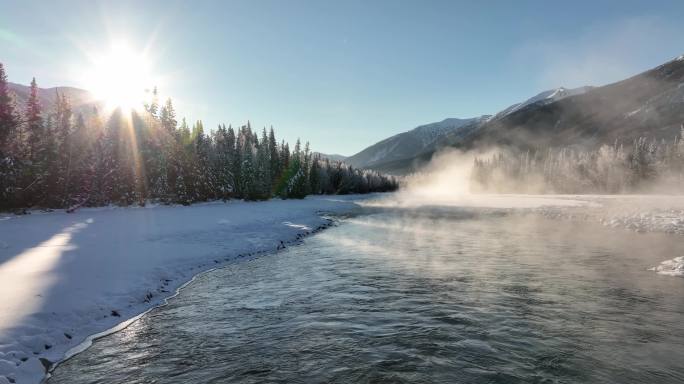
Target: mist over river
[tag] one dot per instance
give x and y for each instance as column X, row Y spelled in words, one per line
column 423, row 294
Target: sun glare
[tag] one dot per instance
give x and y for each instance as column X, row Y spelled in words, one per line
column 121, row 78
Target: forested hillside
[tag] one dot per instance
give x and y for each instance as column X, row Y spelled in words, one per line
column 57, row 158
column 644, row 165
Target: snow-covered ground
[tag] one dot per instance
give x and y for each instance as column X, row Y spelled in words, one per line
column 66, row 276
column 638, row 213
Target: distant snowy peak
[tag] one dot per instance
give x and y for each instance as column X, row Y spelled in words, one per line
column 409, row 144
column 428, row 133
column 545, row 97
column 331, row 156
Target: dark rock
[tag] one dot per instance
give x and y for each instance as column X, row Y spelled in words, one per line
column 115, row 313
column 68, row 336
column 47, row 364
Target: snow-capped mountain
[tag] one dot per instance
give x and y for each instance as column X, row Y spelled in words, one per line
column 409, row 144
column 650, row 104
column 545, row 97
column 394, row 151
column 428, row 138
column 331, row 156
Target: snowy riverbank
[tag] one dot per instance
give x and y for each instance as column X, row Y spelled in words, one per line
column 66, row 276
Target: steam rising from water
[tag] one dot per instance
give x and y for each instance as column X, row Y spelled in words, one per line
column 446, row 181
column 445, row 178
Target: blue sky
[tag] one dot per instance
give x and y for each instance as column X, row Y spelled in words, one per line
column 345, row 74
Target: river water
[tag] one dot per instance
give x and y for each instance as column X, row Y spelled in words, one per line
column 417, row 295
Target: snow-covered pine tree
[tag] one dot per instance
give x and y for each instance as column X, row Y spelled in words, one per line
column 274, row 156
column 315, row 175
column 59, row 192
column 221, row 163
column 9, row 164
column 34, row 123
column 233, row 143
column 204, row 178
column 153, row 107
column 263, row 168
column 31, row 165
column 248, row 175
column 9, row 121
column 167, row 117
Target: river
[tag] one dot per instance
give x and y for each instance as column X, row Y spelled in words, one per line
column 417, row 295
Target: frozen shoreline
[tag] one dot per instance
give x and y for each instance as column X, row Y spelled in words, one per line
column 65, row 278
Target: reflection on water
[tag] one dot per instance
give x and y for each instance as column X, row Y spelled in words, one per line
column 418, row 296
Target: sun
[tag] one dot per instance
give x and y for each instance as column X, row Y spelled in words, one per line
column 121, row 78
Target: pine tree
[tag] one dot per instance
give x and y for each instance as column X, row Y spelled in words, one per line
column 306, row 165
column 248, row 178
column 34, row 124
column 59, row 164
column 237, row 161
column 263, row 168
column 153, row 107
column 274, row 156
column 221, row 163
column 82, row 176
column 203, row 178
column 9, row 121
column 284, row 158
column 167, row 117
column 231, row 160
column 315, row 176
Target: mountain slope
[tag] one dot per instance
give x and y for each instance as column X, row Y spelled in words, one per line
column 650, row 104
column 331, row 156
column 545, row 97
column 404, row 151
column 81, row 100
column 407, row 145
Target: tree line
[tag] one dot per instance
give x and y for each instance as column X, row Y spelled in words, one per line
column 645, row 165
column 61, row 159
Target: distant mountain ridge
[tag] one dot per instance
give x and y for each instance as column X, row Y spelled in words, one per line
column 331, row 157
column 545, row 97
column 402, row 147
column 80, row 99
column 649, row 104
column 408, row 144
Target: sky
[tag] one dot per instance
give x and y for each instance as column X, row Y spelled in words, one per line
column 344, row 74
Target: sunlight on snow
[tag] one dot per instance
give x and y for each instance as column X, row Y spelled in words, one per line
column 298, row 226
column 30, row 274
